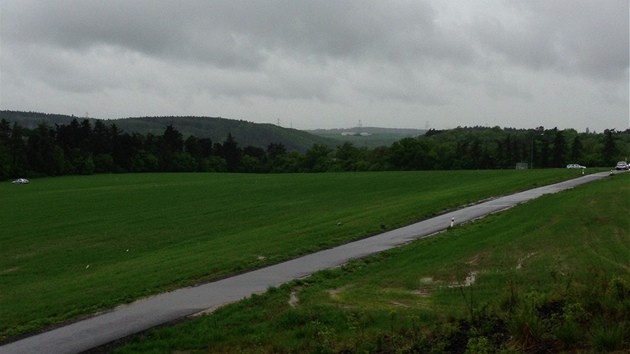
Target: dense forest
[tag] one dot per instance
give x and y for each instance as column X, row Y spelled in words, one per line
column 90, row 146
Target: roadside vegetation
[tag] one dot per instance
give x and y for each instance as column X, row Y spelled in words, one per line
column 551, row 275
column 72, row 246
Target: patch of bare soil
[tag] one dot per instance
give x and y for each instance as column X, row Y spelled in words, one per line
column 293, row 299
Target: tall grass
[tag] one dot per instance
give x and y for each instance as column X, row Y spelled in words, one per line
column 70, row 246
column 551, row 275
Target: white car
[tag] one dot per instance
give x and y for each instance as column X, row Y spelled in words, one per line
column 574, row 165
column 20, row 181
column 622, row 165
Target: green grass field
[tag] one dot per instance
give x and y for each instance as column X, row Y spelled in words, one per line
column 551, row 275
column 71, row 246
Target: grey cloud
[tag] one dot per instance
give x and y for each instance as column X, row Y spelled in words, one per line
column 156, row 29
column 431, row 55
column 579, row 36
column 583, row 37
column 239, row 33
column 76, row 25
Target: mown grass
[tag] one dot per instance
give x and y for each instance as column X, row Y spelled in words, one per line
column 71, row 246
column 552, row 275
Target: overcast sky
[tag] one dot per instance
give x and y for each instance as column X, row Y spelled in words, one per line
column 322, row 64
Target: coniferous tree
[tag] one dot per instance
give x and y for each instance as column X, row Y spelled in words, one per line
column 44, row 155
column 18, row 151
column 576, row 149
column 509, row 161
column 610, row 148
column 121, row 149
column 559, row 149
column 544, row 153
column 193, row 147
column 205, row 147
column 173, row 140
column 275, row 153
column 5, row 157
column 101, row 139
column 85, row 136
column 231, row 152
column 5, row 132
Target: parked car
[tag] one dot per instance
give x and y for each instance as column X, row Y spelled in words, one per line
column 20, row 181
column 574, row 165
column 622, row 165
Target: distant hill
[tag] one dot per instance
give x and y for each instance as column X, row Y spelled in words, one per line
column 216, row 129
column 33, row 119
column 370, row 137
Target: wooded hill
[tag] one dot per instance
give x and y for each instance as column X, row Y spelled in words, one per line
column 213, row 128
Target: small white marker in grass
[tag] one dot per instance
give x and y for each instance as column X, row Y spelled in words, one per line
column 88, row 266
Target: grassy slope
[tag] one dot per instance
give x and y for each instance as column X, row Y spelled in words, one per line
column 75, row 245
column 552, row 250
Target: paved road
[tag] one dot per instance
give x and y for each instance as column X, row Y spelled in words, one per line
column 153, row 311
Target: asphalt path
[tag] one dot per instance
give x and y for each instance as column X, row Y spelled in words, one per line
column 163, row 308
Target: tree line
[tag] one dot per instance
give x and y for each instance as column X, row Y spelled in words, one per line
column 83, row 148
